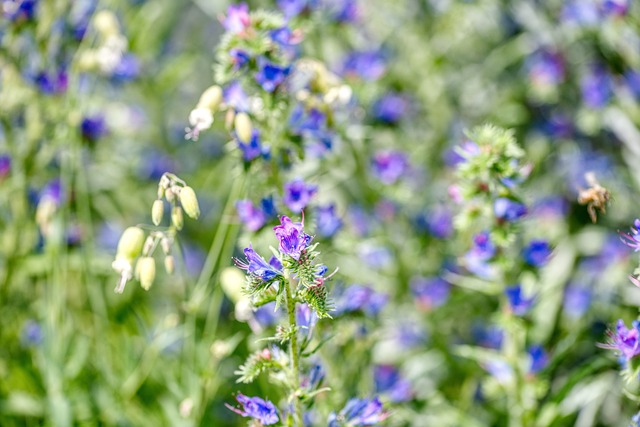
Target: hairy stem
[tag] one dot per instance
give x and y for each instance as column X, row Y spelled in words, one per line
column 294, row 350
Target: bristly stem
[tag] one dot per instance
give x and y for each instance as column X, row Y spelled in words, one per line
column 294, row 350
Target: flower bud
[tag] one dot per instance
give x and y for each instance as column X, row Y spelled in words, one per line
column 169, row 264
column 189, row 202
column 170, row 195
column 148, row 245
column 106, row 23
column 156, row 212
column 146, row 269
column 211, row 98
column 243, row 127
column 177, row 218
column 130, row 244
column 165, row 243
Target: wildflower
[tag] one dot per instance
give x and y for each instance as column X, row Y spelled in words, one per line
column 576, row 300
column 127, row 69
column 93, row 128
column 488, row 336
column 252, row 149
column 360, row 298
column 328, row 221
column 438, row 222
column 508, row 210
column 477, row 258
column 360, row 412
column 235, row 97
column 374, row 255
column 367, row 65
column 389, row 166
column 595, row 86
column 31, row 333
column 389, row 381
column 52, row 84
column 291, row 8
column 297, row 194
column 537, row 253
column 270, row 75
column 257, row 266
column 390, row 108
column 237, row 19
column 632, row 239
column 581, row 12
column 518, row 304
column 616, row 7
column 252, row 217
column 624, row 340
column 538, row 358
column 430, row 292
column 546, row 68
column 293, row 239
column 254, row 407
column 19, row 10
column 344, row 11
column 239, row 58
column 5, row 165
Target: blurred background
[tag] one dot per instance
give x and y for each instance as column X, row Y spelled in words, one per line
column 87, row 128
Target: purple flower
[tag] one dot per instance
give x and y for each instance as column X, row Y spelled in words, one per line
column 438, row 222
column 237, row 19
column 632, row 80
column 581, row 12
column 270, row 75
column 595, row 86
column 508, row 210
column 360, row 221
column 305, row 317
column 500, row 370
column 266, row 315
column 430, row 292
column 345, row 11
column 482, row 250
column 235, row 96
column 297, row 194
column 577, row 300
column 52, row 192
column 360, row 298
column 328, row 222
column 257, row 266
column 632, row 239
column 488, row 336
column 546, row 68
column 551, row 207
column 52, row 84
column 238, row 58
column 616, row 7
column 93, row 128
column 537, row 253
column 538, row 357
column 391, row 108
column 624, row 340
column 367, row 65
column 558, row 126
column 518, row 304
column 19, row 10
column 388, row 381
column 374, row 255
column 389, row 166
column 291, row 8
column 31, row 333
column 5, row 165
column 252, row 217
column 360, row 412
column 293, row 239
column 127, row 69
column 252, row 149
column 254, row 407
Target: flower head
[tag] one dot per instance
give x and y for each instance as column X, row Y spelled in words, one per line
column 253, row 148
column 257, row 267
column 518, row 304
column 537, row 253
column 239, row 58
column 430, row 292
column 235, row 97
column 328, row 221
column 293, row 240
column 391, row 107
column 596, row 87
column 625, row 341
column 297, row 194
column 538, row 358
column 389, row 166
column 237, row 19
column 270, row 75
column 252, row 217
column 261, row 410
column 93, row 128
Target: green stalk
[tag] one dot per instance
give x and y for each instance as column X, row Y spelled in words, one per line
column 294, row 349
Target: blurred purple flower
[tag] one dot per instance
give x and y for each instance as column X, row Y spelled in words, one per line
column 237, row 19
column 550, row 207
column 389, row 166
column 293, row 239
column 580, row 12
column 518, row 304
column 632, row 239
column 261, row 410
column 508, row 210
column 391, row 107
column 487, row 336
column 367, row 65
column 305, row 317
column 266, row 315
column 537, row 253
column 374, row 255
column 558, row 126
column 5, row 165
column 389, row 381
column 52, row 192
column 595, row 86
column 239, row 58
column 577, row 300
column 93, row 128
column 482, row 250
column 235, row 97
column 616, row 7
column 19, row 10
column 127, row 69
column 32, row 334
column 438, row 222
column 430, row 291
column 360, row 412
column 252, row 217
column 546, row 68
column 360, row 298
column 500, row 370
column 328, row 222
column 253, row 148
column 291, row 8
column 270, row 75
column 632, row 80
column 298, row 194
column 624, row 340
column 538, row 358
column 346, row 11
column 360, row 220
column 52, row 83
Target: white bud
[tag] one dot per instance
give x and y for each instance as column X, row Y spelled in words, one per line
column 157, row 210
column 211, row 98
column 243, row 127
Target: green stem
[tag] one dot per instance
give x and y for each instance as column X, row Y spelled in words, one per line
column 294, row 350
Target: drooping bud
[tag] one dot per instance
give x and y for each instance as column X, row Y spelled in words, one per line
column 169, row 264
column 146, row 269
column 106, row 23
column 211, row 98
column 170, row 195
column 189, row 202
column 243, row 127
column 156, row 212
column 130, row 244
column 165, row 243
column 177, row 218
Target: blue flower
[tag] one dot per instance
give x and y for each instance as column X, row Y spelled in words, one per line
column 252, row 217
column 537, row 253
column 252, row 149
column 391, row 107
column 478, row 257
column 254, row 407
column 5, row 165
column 19, row 10
column 345, row 11
column 235, row 97
column 127, row 69
column 546, row 68
column 360, row 412
column 52, row 83
column 508, row 210
column 518, row 304
column 293, row 239
column 257, row 266
column 577, row 300
column 298, row 194
column 389, row 166
column 291, row 8
column 388, row 381
column 32, row 333
column 270, row 75
column 237, row 19
column 367, row 65
column 328, row 221
column 616, row 7
column 487, row 336
column 430, row 292
column 595, row 86
column 538, row 357
column 360, row 298
column 239, row 58
column 93, row 128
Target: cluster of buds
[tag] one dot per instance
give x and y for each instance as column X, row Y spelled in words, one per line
column 136, row 248
column 112, row 45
